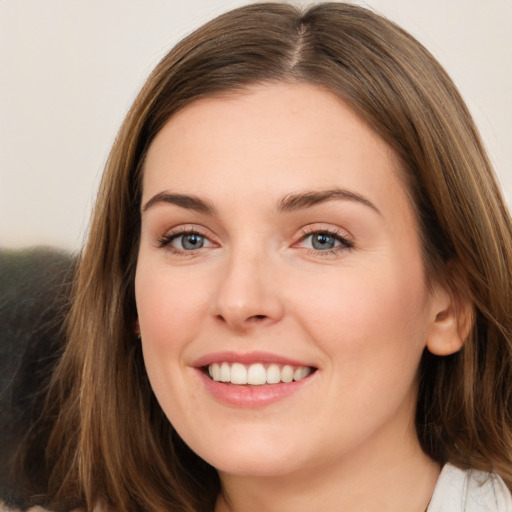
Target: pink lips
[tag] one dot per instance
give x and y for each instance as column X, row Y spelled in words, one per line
column 249, row 358
column 247, row 396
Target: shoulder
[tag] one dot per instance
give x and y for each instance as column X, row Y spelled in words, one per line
column 469, row 491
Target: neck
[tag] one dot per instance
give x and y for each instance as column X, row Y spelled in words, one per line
column 370, row 480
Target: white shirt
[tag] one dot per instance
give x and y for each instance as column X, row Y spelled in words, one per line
column 459, row 490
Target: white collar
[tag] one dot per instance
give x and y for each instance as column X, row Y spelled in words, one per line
column 459, row 490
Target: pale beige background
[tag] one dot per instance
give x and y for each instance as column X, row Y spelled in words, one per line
column 69, row 70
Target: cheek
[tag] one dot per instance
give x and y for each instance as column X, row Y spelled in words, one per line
column 372, row 313
column 169, row 304
column 170, row 309
column 371, row 328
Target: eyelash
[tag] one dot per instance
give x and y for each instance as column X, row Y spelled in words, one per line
column 166, row 240
column 345, row 243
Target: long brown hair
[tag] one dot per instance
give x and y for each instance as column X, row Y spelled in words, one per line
column 109, row 439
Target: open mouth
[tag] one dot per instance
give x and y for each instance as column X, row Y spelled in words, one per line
column 258, row 374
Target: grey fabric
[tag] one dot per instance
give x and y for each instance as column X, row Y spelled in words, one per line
column 34, row 291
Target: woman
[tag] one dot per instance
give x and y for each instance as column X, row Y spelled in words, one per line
column 296, row 289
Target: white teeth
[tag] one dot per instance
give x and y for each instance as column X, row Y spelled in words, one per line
column 273, row 374
column 300, row 373
column 225, row 373
column 214, row 371
column 287, row 373
column 256, row 374
column 238, row 374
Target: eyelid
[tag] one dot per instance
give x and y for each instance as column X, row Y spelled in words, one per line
column 164, row 241
column 345, row 239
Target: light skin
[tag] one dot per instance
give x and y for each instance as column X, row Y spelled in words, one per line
column 304, row 245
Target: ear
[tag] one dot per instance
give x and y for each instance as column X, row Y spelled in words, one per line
column 452, row 320
column 136, row 328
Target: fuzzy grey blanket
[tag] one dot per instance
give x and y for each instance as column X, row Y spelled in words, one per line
column 34, row 296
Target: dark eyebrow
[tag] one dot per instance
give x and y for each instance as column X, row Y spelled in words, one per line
column 293, row 202
column 182, row 200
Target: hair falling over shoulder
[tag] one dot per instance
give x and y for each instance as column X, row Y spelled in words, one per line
column 106, row 438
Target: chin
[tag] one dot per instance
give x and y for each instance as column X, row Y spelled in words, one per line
column 259, row 456
column 256, row 465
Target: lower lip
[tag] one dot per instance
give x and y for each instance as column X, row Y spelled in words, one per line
column 251, row 397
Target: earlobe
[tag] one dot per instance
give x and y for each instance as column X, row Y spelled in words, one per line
column 452, row 320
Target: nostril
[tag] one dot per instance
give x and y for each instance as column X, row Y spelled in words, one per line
column 242, row 323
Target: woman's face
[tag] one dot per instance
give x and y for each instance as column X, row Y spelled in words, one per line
column 278, row 243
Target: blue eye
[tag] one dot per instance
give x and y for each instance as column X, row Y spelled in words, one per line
column 188, row 242
column 323, row 241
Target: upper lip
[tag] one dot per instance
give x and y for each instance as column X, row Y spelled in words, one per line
column 247, row 358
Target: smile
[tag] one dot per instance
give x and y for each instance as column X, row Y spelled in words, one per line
column 257, row 374
column 255, row 379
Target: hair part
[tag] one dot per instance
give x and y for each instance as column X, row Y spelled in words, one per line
column 111, row 441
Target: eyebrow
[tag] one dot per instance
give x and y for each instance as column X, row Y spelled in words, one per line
column 185, row 201
column 300, row 201
column 289, row 203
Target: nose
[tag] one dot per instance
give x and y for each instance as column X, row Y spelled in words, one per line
column 248, row 294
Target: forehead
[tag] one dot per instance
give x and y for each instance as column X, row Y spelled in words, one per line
column 271, row 138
